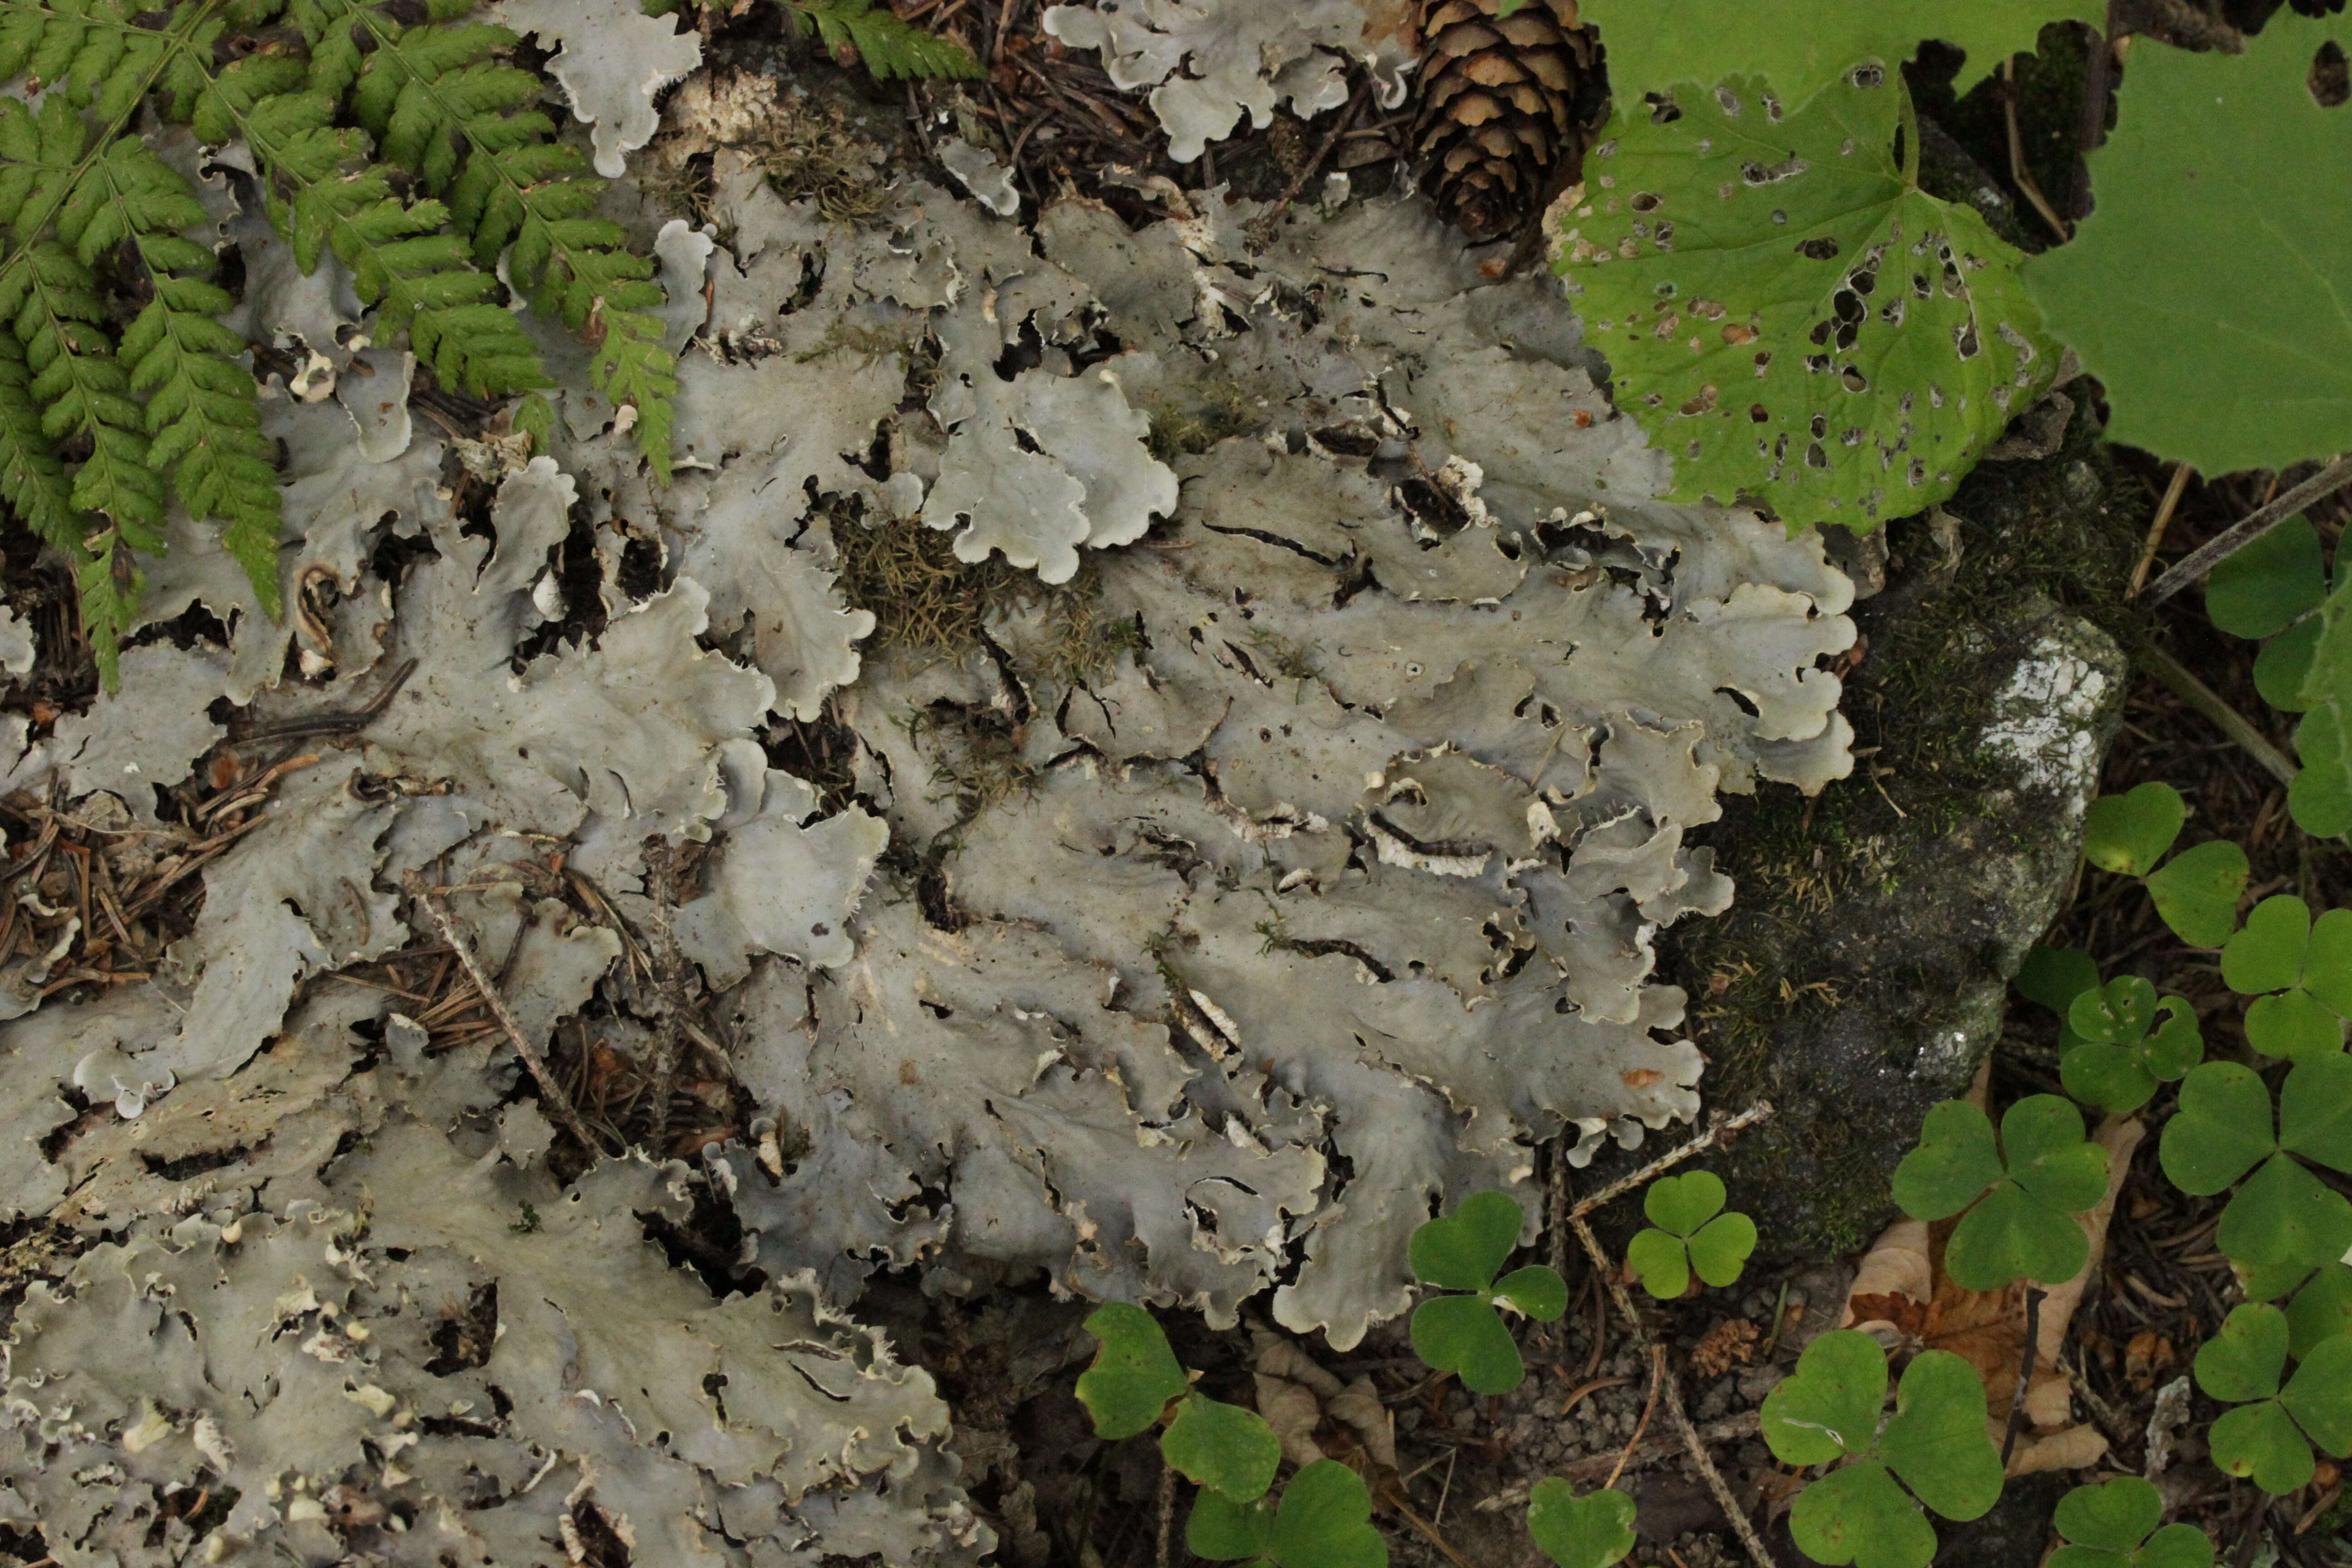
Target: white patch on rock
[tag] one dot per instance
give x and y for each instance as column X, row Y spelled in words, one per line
column 2044, row 722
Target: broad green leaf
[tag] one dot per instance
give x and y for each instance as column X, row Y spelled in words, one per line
column 1134, row 1374
column 1661, row 1261
column 2261, row 1441
column 2116, row 1525
column 1802, row 45
column 1786, row 314
column 2319, row 1397
column 2247, row 1358
column 1682, row 1203
column 2269, row 583
column 2130, row 832
column 2011, row 1237
column 2121, row 1078
column 2268, row 1283
column 1589, row 1532
column 2284, row 666
column 1465, row 1249
column 2115, row 1014
column 2116, row 1516
column 2316, row 1112
column 2053, row 978
column 2282, row 1218
column 1859, row 1515
column 2320, row 798
column 1721, row 1248
column 1223, row 1530
column 1325, row 1522
column 2328, row 961
column 2221, row 1130
column 1465, row 1335
column 2208, row 291
column 2197, row 892
column 1534, row 1291
column 2292, row 1025
column 1936, row 1441
column 2321, row 1311
column 2042, row 1144
column 1955, row 1161
column 1221, row 1447
column 1829, row 1407
column 2266, row 954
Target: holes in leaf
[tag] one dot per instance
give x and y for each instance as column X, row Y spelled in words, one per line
column 1779, row 215
column 2331, row 80
column 1815, row 457
column 1820, row 332
column 1869, row 76
column 1893, row 311
column 1863, row 280
column 1728, row 101
column 1964, row 339
column 1772, row 109
column 1644, row 202
column 1854, row 380
column 1736, row 334
column 1663, row 108
column 1820, row 249
column 1921, row 287
column 1817, row 362
column 1757, row 173
column 1850, row 436
column 1756, row 412
column 1918, row 474
column 1820, row 426
column 1703, row 403
column 1667, row 291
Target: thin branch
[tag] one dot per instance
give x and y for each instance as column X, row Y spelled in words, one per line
column 2181, row 473
column 2178, row 679
column 1672, row 1157
column 2019, row 174
column 2034, row 1296
column 1671, row 1386
column 1658, row 1380
column 1262, row 231
column 548, row 1088
column 2190, row 568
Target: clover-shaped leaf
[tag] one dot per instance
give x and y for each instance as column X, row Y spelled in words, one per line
column 2053, row 978
column 2270, row 1436
column 1134, row 1374
column 1934, row 1444
column 1691, row 1235
column 2322, row 1310
column 1465, row 1334
column 2019, row 1197
column 2130, row 832
column 2267, row 590
column 2299, row 974
column 1221, row 1447
column 2121, row 1051
column 2283, row 1220
column 2197, row 892
column 1589, row 1532
column 2115, row 1526
column 1324, row 1521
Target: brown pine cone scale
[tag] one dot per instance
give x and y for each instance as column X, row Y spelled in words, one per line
column 1501, row 97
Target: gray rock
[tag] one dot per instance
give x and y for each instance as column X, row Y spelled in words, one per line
column 1857, row 983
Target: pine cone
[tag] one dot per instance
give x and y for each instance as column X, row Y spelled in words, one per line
column 1500, row 101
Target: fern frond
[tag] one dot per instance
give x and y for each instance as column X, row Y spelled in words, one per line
column 890, row 46
column 324, row 194
column 203, row 411
column 103, row 56
column 32, row 479
column 109, row 587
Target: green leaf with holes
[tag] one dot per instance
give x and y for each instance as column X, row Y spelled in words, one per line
column 1589, row 1532
column 2270, row 1437
column 1788, row 315
column 2197, row 892
column 1691, row 1235
column 2015, row 1201
column 2116, row 1525
column 2282, row 1221
column 2208, row 291
column 1934, row 1444
column 1134, row 1374
column 2126, row 1041
column 2299, row 974
column 2130, row 832
column 1804, row 45
column 1221, row 1447
column 1465, row 1334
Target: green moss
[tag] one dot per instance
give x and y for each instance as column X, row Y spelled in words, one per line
column 1227, row 410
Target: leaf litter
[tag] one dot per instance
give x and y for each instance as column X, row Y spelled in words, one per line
column 1266, row 850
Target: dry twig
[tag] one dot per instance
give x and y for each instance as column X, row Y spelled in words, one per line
column 2192, row 567
column 1671, row 1158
